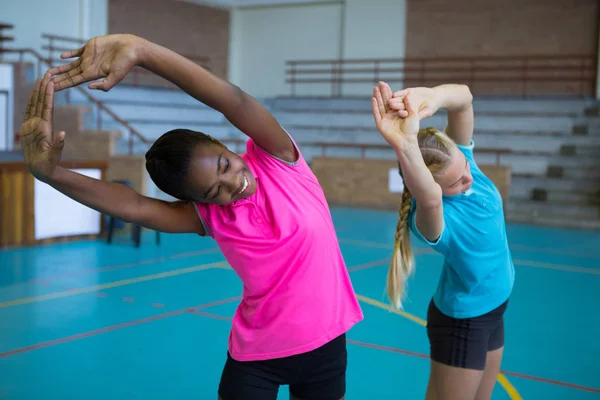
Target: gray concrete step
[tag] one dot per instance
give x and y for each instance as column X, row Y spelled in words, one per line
column 552, row 221
column 546, row 209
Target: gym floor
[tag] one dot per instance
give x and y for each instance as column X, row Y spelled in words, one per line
column 88, row 320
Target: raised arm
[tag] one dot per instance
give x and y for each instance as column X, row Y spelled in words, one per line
column 42, row 151
column 112, row 57
column 401, row 134
column 457, row 100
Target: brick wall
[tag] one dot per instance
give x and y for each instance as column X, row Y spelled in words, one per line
column 189, row 29
column 505, row 27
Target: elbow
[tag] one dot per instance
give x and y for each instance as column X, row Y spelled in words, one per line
column 432, row 199
column 468, row 94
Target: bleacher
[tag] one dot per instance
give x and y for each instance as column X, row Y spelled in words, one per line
column 551, row 145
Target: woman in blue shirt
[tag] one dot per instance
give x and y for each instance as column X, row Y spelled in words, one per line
column 452, row 206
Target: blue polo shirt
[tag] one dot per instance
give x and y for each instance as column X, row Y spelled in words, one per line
column 478, row 272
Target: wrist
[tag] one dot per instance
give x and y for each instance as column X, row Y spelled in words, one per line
column 408, row 146
column 140, row 48
column 53, row 176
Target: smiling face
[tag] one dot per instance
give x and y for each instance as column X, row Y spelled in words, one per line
column 219, row 176
column 193, row 166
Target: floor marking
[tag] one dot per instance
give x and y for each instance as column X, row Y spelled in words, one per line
column 558, row 267
column 510, row 389
column 521, row 247
column 43, row 281
column 124, row 282
column 524, row 263
column 115, row 327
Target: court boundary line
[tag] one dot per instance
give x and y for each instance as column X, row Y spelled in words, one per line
column 519, row 262
column 111, row 328
column 115, row 267
column 110, row 285
column 425, row 356
column 501, row 379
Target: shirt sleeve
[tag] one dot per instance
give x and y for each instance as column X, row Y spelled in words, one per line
column 441, row 244
column 270, row 162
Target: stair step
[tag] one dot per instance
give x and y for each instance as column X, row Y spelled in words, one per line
column 560, row 198
column 554, row 222
column 522, row 183
column 551, row 210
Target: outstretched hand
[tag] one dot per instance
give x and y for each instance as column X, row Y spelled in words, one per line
column 110, row 57
column 396, row 126
column 42, row 149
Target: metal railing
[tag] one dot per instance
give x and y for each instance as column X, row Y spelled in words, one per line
column 238, row 145
column 4, row 38
column 573, row 74
column 40, row 61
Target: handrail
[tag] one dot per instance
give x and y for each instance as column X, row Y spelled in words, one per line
column 4, row 38
column 367, row 146
column 577, row 72
column 133, row 132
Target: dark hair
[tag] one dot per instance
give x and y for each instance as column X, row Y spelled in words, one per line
column 168, row 159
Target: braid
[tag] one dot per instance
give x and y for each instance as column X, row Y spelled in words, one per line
column 402, row 264
column 436, row 149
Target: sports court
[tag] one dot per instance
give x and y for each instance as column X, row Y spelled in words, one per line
column 87, row 320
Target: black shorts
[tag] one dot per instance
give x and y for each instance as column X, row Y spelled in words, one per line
column 464, row 343
column 317, row 375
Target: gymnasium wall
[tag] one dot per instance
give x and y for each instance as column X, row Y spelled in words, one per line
column 72, row 18
column 189, row 29
column 501, row 28
column 264, row 38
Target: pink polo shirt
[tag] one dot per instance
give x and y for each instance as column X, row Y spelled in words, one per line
column 281, row 242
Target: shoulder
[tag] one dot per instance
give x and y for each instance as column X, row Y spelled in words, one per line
column 467, row 150
column 262, row 159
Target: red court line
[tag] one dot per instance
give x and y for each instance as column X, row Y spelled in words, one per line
column 425, row 356
column 91, row 333
column 113, row 328
column 522, row 247
column 515, row 374
column 216, row 303
column 388, row 349
column 43, row 280
column 377, row 263
column 551, row 381
column 209, row 315
column 369, row 265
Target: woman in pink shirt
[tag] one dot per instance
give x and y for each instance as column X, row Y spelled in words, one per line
column 264, row 208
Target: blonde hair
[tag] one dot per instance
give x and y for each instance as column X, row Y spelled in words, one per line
column 436, row 149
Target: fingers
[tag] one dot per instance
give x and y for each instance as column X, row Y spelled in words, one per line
column 376, row 111
column 34, row 100
column 386, row 92
column 62, row 69
column 70, row 79
column 106, row 84
column 409, row 106
column 29, row 106
column 48, row 102
column 72, row 53
column 401, row 93
column 59, row 140
column 39, row 109
column 396, row 103
column 380, row 103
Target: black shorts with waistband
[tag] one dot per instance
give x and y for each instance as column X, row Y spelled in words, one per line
column 464, row 342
